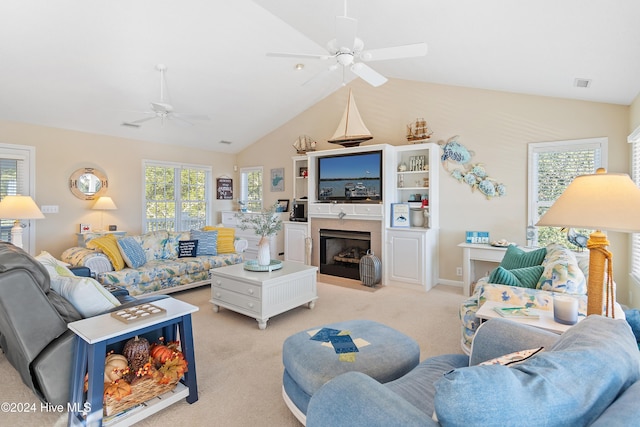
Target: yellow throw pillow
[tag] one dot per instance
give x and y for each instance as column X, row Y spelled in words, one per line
column 226, row 238
column 109, row 246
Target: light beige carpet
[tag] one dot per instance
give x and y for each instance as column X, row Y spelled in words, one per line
column 239, row 367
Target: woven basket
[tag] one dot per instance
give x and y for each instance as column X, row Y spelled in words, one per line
column 141, row 391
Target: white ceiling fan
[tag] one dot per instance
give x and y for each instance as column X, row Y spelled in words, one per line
column 348, row 52
column 163, row 110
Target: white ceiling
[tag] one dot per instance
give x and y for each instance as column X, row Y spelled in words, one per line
column 89, row 65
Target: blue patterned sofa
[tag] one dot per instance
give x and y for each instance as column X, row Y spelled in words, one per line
column 560, row 270
column 159, row 269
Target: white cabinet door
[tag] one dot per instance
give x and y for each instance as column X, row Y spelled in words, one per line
column 295, row 235
column 406, row 261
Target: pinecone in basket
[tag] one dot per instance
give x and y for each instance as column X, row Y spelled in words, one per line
column 136, row 350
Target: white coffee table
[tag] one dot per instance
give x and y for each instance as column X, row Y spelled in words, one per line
column 263, row 294
column 545, row 321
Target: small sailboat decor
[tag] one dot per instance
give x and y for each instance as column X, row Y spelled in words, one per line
column 351, row 130
column 418, row 131
column 304, row 143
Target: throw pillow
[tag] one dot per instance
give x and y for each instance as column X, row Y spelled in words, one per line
column 226, row 238
column 569, row 384
column 132, row 253
column 517, row 258
column 87, row 295
column 521, row 277
column 187, row 248
column 54, row 267
column 109, row 246
column 561, row 272
column 207, row 242
column 513, row 358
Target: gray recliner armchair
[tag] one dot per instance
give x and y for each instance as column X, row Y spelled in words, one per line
column 33, row 325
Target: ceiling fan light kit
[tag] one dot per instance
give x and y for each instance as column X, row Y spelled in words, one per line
column 348, row 51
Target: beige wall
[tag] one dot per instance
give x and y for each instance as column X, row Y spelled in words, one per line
column 497, row 126
column 60, row 152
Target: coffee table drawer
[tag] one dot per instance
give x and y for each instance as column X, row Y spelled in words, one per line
column 223, row 297
column 235, row 286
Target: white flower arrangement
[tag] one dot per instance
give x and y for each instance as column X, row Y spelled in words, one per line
column 266, row 223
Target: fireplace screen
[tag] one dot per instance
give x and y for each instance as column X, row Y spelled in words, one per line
column 340, row 252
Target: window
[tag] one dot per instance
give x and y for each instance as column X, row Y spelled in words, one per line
column 635, row 176
column 552, row 167
column 177, row 197
column 251, row 188
column 16, row 169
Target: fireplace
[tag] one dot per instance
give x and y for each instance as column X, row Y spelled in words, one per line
column 340, row 252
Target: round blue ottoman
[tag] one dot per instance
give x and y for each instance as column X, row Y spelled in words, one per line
column 383, row 353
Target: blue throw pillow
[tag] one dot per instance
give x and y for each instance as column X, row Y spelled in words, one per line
column 207, row 242
column 570, row 384
column 132, row 252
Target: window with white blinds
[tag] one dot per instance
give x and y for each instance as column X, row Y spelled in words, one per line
column 635, row 237
column 177, row 197
column 552, row 167
column 15, row 178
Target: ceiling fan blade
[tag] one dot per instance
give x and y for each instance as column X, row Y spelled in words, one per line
column 321, row 74
column 191, row 116
column 405, row 51
column 345, row 32
column 146, row 119
column 368, row 74
column 297, row 55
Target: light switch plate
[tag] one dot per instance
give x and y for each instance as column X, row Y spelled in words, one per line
column 49, row 209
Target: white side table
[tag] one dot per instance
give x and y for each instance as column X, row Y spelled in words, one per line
column 92, row 337
column 545, row 321
column 472, row 252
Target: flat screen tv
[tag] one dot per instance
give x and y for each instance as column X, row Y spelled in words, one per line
column 350, row 178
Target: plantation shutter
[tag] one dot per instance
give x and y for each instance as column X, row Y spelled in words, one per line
column 635, row 237
column 12, row 182
column 552, row 167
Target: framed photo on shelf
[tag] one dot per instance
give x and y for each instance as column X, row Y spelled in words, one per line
column 400, row 215
column 283, row 205
column 85, row 228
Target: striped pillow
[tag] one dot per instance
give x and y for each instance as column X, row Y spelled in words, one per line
column 207, row 242
column 226, row 238
column 521, row 277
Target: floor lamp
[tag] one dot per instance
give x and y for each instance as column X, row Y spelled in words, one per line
column 600, row 201
column 19, row 207
column 104, row 203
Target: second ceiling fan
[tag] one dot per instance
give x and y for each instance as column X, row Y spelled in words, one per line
column 348, row 51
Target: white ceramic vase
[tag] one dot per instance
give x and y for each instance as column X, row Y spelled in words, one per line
column 264, row 254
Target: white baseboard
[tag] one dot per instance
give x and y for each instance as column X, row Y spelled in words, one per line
column 448, row 282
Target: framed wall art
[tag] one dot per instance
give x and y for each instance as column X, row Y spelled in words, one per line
column 277, row 179
column 224, row 188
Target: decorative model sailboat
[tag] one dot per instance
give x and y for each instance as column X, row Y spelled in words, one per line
column 351, row 130
column 418, row 130
column 304, row 143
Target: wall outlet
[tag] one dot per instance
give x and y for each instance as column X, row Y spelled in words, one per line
column 458, row 271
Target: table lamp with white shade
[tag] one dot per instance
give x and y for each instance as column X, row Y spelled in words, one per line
column 600, row 201
column 104, row 203
column 19, row 207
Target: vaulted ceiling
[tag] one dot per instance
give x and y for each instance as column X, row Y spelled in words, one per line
column 91, row 65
